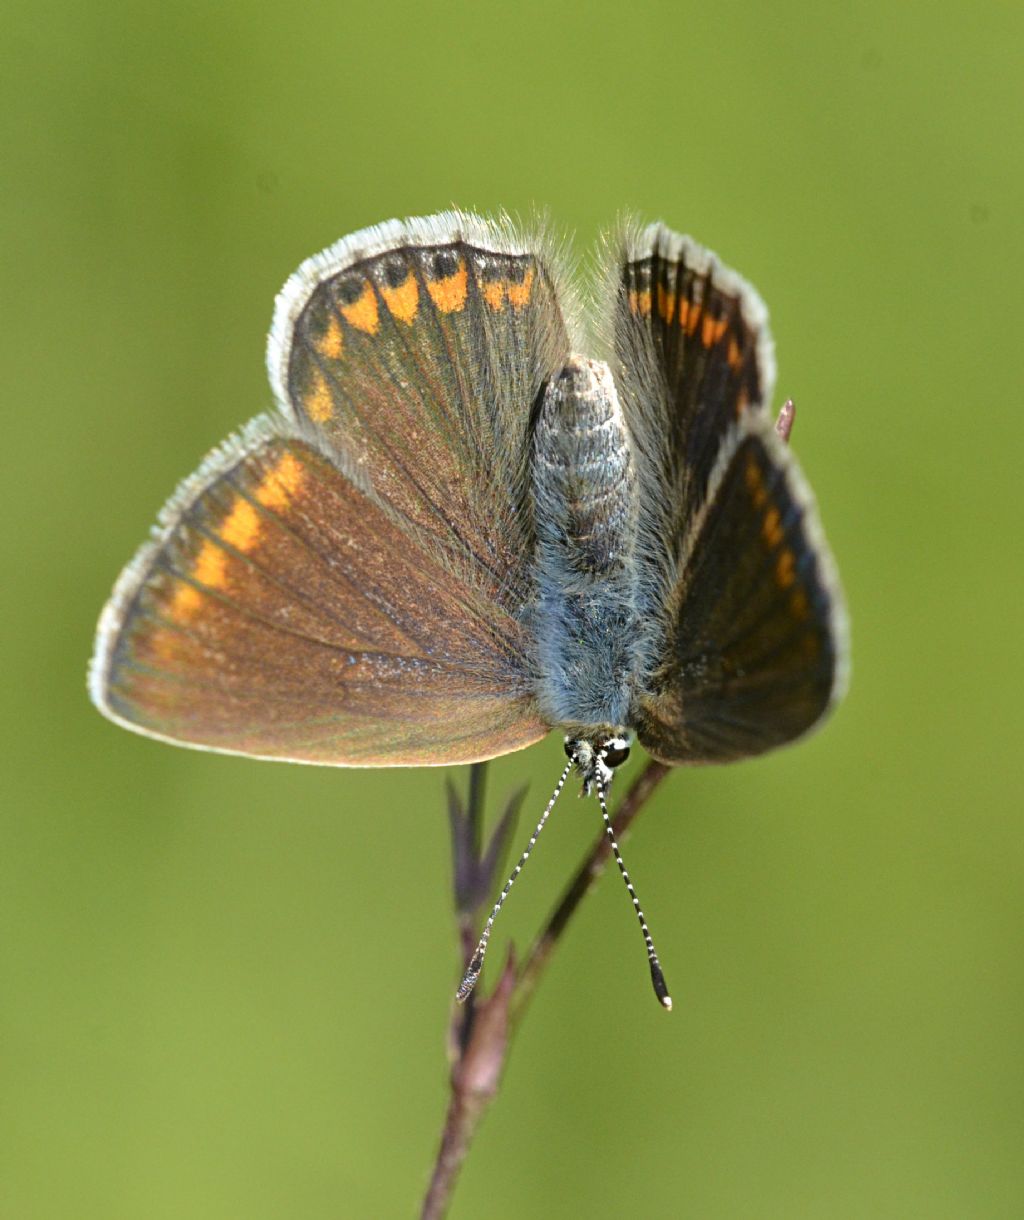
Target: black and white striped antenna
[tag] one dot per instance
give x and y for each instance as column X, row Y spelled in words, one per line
column 599, row 775
column 657, row 977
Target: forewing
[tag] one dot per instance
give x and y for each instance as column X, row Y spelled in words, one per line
column 283, row 612
column 754, row 650
column 413, row 352
column 692, row 354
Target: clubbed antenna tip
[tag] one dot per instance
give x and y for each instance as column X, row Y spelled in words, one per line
column 660, row 987
column 657, row 978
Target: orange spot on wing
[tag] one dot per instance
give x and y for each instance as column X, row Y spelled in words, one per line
column 330, row 342
column 798, row 603
column 785, row 570
column 317, row 400
column 185, row 603
column 666, row 303
column 689, row 316
column 403, row 301
column 735, row 353
column 755, row 483
column 241, row 528
column 493, row 293
column 712, row 330
column 640, row 303
column 771, row 527
column 362, row 314
column 519, row 294
column 449, row 294
column 210, row 569
column 281, row 483
column 210, row 566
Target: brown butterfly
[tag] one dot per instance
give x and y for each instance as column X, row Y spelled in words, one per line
column 456, row 532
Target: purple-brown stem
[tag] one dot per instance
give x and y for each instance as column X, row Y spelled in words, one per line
column 481, row 1028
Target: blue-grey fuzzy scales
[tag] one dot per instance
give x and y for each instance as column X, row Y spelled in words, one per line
column 586, row 508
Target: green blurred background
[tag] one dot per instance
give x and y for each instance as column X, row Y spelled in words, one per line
column 225, row 983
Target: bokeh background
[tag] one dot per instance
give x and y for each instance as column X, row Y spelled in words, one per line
column 225, row 984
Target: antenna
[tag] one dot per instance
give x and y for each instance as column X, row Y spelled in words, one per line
column 657, row 978
column 469, row 979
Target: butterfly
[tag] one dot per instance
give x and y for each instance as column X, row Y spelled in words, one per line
column 457, row 532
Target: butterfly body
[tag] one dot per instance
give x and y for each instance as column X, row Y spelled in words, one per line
column 456, row 533
column 586, row 508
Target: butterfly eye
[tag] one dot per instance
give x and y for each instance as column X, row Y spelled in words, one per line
column 570, row 749
column 615, row 756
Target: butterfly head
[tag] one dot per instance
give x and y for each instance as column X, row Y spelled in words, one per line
column 596, row 756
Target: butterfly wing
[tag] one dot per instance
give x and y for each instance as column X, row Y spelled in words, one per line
column 340, row 584
column 416, row 358
column 691, row 352
column 755, row 643
column 748, row 640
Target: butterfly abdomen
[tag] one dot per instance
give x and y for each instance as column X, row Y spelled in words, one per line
column 585, row 508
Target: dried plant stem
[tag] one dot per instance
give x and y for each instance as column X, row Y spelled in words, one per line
column 459, row 1126
column 475, row 1077
column 480, row 1029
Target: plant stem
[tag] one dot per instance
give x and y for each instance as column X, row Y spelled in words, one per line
column 480, row 1029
